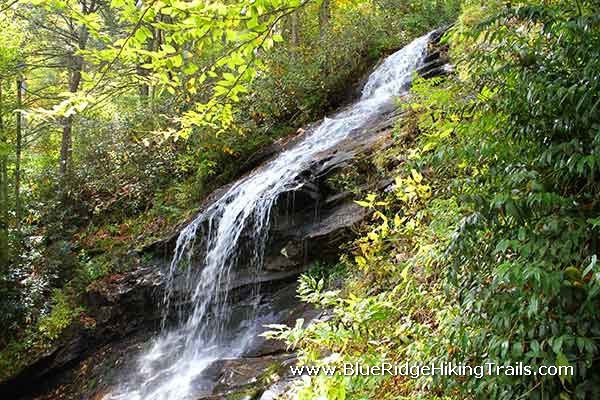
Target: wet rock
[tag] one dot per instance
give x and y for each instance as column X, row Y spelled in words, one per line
column 277, row 389
column 251, row 371
column 436, row 63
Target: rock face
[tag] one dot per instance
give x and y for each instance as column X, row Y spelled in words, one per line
column 120, row 312
column 308, row 224
column 437, row 61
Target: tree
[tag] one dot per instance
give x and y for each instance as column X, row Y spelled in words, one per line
column 324, row 17
column 10, row 53
column 18, row 150
column 218, row 46
column 3, row 189
column 293, row 29
column 78, row 35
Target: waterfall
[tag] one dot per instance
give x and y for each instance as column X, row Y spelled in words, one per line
column 232, row 232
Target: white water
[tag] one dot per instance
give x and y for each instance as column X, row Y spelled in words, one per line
column 233, row 231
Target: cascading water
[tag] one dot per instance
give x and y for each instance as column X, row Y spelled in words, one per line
column 233, row 231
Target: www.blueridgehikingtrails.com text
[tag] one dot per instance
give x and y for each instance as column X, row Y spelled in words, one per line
column 442, row 369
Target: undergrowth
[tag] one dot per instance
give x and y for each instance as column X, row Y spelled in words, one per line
column 485, row 249
column 42, row 335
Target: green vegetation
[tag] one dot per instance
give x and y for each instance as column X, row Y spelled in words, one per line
column 486, row 250
column 40, row 338
column 118, row 118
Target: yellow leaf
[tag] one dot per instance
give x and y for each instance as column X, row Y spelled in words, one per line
column 361, row 261
column 416, row 176
column 398, row 221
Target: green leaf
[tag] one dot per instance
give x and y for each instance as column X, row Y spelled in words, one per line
column 177, row 61
column 563, row 361
column 142, row 34
column 190, row 68
column 229, row 77
column 167, row 48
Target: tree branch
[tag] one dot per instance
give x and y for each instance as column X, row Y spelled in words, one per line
column 9, row 5
column 114, row 60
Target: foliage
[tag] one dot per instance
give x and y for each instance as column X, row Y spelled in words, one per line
column 330, row 273
column 131, row 113
column 40, row 337
column 59, row 318
column 494, row 257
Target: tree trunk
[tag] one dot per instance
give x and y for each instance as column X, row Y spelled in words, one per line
column 157, row 41
column 144, row 88
column 293, row 28
column 66, row 146
column 4, row 248
column 153, row 44
column 3, row 193
column 18, row 149
column 324, row 17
